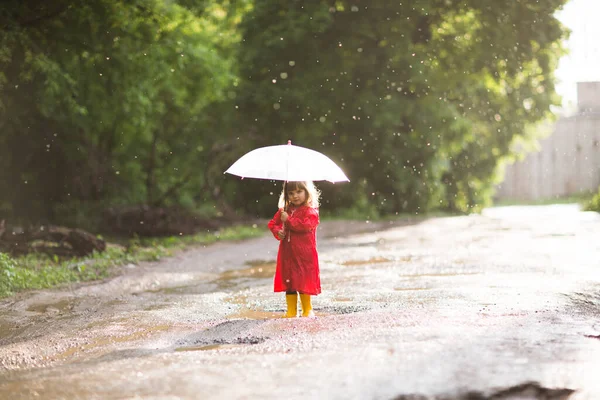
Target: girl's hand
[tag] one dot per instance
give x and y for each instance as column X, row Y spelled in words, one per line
column 284, row 216
column 281, row 234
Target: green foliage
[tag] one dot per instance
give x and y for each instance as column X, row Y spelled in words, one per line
column 120, row 88
column 418, row 101
column 116, row 102
column 583, row 198
column 594, row 203
column 7, row 273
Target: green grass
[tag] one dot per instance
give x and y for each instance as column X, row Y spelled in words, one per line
column 580, row 198
column 39, row 271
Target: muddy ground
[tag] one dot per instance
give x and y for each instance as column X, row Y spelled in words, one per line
column 503, row 305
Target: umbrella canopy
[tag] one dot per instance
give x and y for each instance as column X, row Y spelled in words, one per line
column 287, row 163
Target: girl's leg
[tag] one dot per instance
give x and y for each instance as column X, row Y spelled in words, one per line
column 307, row 310
column 291, row 298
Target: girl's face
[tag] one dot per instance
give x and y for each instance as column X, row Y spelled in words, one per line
column 297, row 196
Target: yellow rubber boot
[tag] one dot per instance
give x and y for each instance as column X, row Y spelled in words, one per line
column 292, row 305
column 307, row 310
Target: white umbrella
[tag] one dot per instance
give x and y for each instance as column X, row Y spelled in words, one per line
column 287, row 163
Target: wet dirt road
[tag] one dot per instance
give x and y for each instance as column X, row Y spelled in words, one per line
column 503, row 305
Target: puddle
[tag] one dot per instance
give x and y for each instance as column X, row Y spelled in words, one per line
column 255, row 314
column 259, row 270
column 246, row 312
column 341, row 299
column 375, row 260
column 157, row 306
column 189, row 289
column 105, row 342
column 209, row 347
column 58, row 307
column 440, row 275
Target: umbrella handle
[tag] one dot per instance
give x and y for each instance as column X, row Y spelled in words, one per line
column 285, row 207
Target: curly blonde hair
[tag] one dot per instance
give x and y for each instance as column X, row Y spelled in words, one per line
column 312, row 193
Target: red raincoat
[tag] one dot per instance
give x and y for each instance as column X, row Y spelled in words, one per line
column 297, row 258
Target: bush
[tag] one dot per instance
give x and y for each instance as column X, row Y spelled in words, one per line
column 594, row 203
column 7, row 273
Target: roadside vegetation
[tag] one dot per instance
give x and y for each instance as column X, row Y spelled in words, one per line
column 583, row 198
column 593, row 203
column 38, row 271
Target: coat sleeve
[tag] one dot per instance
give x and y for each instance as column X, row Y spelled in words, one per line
column 305, row 221
column 275, row 225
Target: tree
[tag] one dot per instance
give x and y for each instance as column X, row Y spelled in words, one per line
column 119, row 89
column 418, row 100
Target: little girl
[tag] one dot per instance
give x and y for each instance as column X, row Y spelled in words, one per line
column 295, row 226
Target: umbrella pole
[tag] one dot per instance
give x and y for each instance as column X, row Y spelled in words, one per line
column 286, row 203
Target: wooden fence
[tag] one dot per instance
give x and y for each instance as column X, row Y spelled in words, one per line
column 567, row 163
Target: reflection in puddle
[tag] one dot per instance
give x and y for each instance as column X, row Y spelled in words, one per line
column 256, row 313
column 101, row 343
column 259, row 270
column 246, row 312
column 58, row 307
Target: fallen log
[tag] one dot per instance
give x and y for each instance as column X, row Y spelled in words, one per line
column 58, row 240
